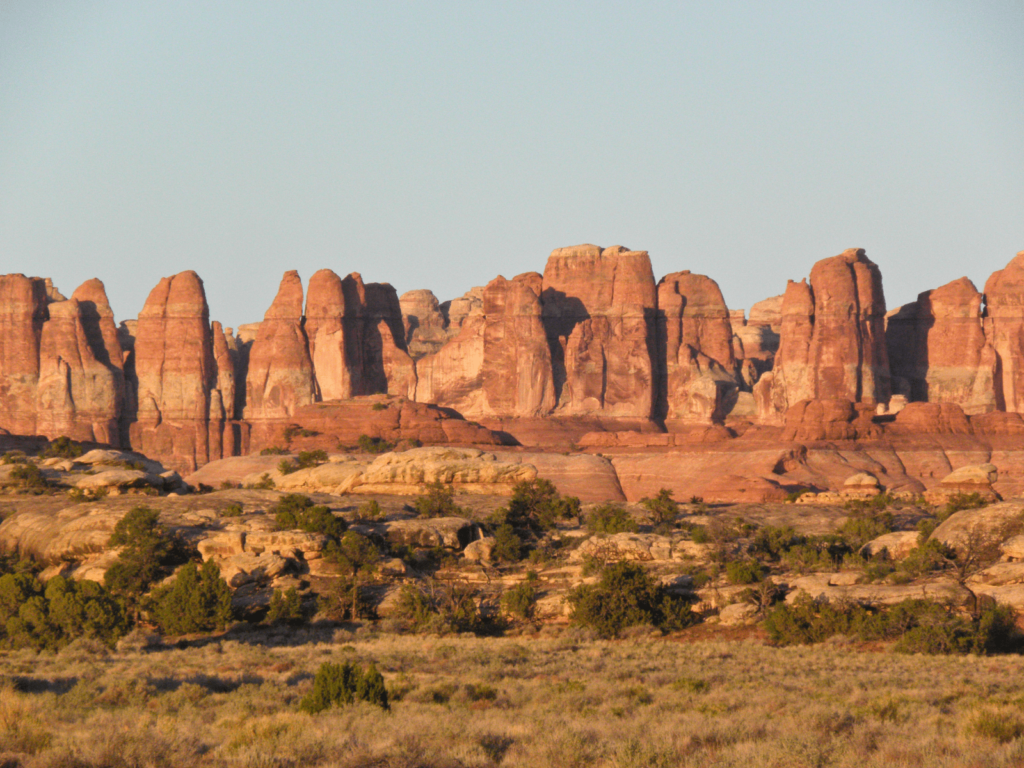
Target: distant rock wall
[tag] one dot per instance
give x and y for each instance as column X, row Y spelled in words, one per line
column 593, row 342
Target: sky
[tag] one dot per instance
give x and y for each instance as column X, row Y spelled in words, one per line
column 438, row 145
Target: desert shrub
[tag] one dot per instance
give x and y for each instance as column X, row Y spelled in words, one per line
column 771, row 542
column 232, row 510
column 508, row 546
column 866, row 524
column 998, row 726
column 227, row 485
column 369, row 444
column 356, row 556
column 265, row 483
column 744, row 571
column 809, row 621
column 13, row 457
column 297, row 512
column 663, row 508
column 961, row 501
column 438, row 501
column 520, row 600
column 30, row 478
column 284, row 607
column 147, row 551
column 315, row 458
column 626, row 596
column 198, row 600
column 440, row 608
column 62, row 448
column 918, row 626
column 536, row 506
column 286, row 466
column 379, row 407
column 337, row 684
column 791, row 498
column 370, row 511
column 50, row 617
column 610, row 518
column 273, row 450
column 82, row 496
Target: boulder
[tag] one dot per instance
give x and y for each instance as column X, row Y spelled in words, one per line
column 835, row 419
column 982, row 529
column 466, row 469
column 737, row 614
column 481, row 550
column 624, row 546
column 448, row 532
column 897, row 545
column 245, row 568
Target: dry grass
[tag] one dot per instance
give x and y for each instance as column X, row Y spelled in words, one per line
column 529, row 701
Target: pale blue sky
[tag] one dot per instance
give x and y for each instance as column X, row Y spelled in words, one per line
column 437, row 145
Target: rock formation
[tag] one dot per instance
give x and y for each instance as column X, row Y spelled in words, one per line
column 832, row 340
column 81, row 381
column 695, row 349
column 599, row 308
column 1004, row 329
column 23, row 311
column 938, row 351
column 425, row 326
column 173, row 373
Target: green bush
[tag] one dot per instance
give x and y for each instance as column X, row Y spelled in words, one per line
column 918, row 626
column 232, row 510
column 610, row 518
column 62, row 448
column 198, row 600
column 520, row 600
column 308, row 459
column 627, row 596
column 30, row 479
column 369, row 444
column 663, row 508
column 508, row 546
column 438, row 501
column 265, row 483
column 863, row 525
column 286, row 466
column 370, row 511
column 356, row 556
column 536, row 506
column 13, row 457
column 439, row 608
column 379, row 407
column 50, row 617
column 961, row 501
column 284, row 607
column 744, row 571
column 273, row 450
column 297, row 512
column 147, row 550
column 346, row 683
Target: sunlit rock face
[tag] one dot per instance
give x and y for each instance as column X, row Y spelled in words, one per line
column 832, row 342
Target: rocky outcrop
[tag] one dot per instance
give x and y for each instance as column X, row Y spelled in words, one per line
column 375, row 339
column 23, row 302
column 836, row 419
column 457, row 311
column 832, row 341
column 173, row 373
column 425, row 326
column 81, row 382
column 767, row 314
column 938, row 351
column 280, row 377
column 517, row 375
column 1004, row 330
column 694, row 342
column 599, row 318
